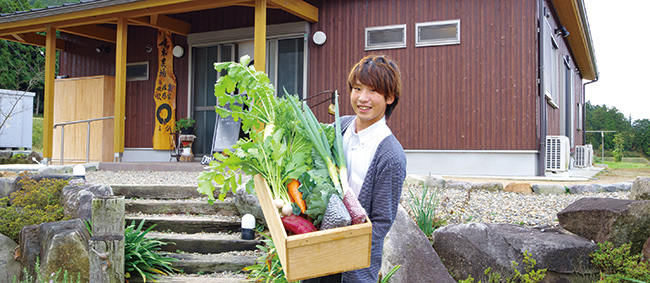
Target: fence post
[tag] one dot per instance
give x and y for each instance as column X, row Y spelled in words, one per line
column 107, row 241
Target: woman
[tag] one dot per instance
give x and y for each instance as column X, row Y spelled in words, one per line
column 376, row 160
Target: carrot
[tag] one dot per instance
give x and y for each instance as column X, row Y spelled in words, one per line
column 292, row 187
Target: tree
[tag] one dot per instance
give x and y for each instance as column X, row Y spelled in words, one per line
column 601, row 117
column 641, row 138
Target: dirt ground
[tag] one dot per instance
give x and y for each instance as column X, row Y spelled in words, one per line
column 606, row 176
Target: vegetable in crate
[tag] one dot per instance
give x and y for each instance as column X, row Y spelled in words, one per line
column 336, row 215
column 279, row 153
column 297, row 225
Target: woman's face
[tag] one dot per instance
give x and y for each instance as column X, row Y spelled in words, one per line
column 368, row 104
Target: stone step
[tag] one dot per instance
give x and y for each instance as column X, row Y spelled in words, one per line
column 188, row 223
column 158, row 191
column 204, row 243
column 213, row 263
column 186, row 206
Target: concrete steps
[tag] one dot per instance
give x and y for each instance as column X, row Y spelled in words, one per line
column 205, row 238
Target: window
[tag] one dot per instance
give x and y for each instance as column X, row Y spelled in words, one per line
column 386, row 37
column 437, row 33
column 138, row 71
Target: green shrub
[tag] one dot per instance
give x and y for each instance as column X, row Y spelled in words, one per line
column 618, row 265
column 531, row 275
column 424, row 210
column 35, row 203
column 141, row 257
column 267, row 268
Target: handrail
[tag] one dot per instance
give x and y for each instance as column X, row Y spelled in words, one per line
column 87, row 137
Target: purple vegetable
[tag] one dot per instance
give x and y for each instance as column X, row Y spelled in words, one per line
column 357, row 213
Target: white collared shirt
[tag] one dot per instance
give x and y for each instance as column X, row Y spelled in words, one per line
column 360, row 149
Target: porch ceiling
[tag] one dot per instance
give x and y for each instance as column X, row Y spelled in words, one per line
column 84, row 18
column 573, row 16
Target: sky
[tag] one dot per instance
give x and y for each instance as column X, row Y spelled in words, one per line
column 621, row 44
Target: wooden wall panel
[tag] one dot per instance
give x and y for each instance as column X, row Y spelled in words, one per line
column 477, row 95
column 81, row 99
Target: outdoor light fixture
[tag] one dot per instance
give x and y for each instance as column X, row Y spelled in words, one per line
column 562, row 31
column 79, row 171
column 248, row 227
column 101, row 48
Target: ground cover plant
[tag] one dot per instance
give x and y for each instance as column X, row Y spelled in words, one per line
column 530, row 275
column 60, row 276
column 618, row 265
column 424, row 210
column 34, row 203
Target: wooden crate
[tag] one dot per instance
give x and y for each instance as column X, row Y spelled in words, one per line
column 317, row 253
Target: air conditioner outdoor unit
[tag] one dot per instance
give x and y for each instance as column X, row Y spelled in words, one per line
column 584, row 156
column 557, row 153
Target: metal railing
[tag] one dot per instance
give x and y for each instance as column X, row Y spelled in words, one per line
column 87, row 137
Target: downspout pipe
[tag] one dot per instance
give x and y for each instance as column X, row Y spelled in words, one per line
column 584, row 109
column 541, row 157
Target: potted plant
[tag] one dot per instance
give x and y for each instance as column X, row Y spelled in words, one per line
column 185, row 126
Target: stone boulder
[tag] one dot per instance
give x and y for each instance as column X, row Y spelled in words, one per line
column 77, row 198
column 607, row 219
column 55, row 170
column 580, row 189
column 9, row 267
column 457, row 185
column 6, row 187
column 640, row 189
column 519, row 187
column 248, row 203
column 469, row 249
column 406, row 245
column 490, row 187
column 57, row 245
column 549, row 189
column 618, row 187
column 431, row 181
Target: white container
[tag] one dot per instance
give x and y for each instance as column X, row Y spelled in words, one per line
column 17, row 130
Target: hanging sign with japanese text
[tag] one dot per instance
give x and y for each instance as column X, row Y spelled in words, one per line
column 164, row 93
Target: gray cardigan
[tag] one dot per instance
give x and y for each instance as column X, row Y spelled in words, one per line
column 379, row 196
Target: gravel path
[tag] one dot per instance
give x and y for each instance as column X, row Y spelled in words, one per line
column 455, row 205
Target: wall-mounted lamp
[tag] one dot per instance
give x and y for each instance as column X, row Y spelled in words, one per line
column 103, row 48
column 148, row 48
column 319, row 38
column 562, row 31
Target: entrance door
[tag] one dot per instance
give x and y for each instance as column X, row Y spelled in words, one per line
column 204, row 77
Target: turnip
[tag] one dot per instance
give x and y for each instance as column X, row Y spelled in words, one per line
column 287, row 209
column 279, row 203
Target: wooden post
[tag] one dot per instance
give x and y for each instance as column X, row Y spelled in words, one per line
column 107, row 241
column 48, row 104
column 120, row 88
column 259, row 54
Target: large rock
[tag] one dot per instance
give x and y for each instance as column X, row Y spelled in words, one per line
column 406, row 245
column 549, row 189
column 519, row 187
column 57, row 245
column 30, row 248
column 581, row 189
column 431, row 181
column 65, row 246
column 640, row 189
column 9, row 267
column 607, row 219
column 77, row 198
column 6, row 187
column 248, row 203
column 457, row 185
column 618, row 187
column 469, row 249
column 489, row 186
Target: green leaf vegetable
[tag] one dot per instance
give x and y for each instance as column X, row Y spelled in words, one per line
column 279, row 153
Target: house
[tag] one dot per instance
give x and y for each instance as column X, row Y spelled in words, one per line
column 485, row 82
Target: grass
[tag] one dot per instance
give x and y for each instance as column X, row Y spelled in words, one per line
column 626, row 165
column 37, row 134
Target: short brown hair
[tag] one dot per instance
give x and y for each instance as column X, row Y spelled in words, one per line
column 380, row 73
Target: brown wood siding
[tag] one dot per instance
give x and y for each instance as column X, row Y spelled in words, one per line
column 478, row 95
